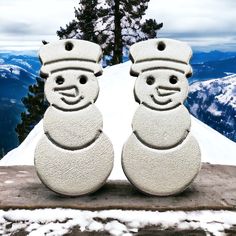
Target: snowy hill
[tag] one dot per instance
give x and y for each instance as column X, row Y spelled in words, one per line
column 214, row 103
column 117, row 105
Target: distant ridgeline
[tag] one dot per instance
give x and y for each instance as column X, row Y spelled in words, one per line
column 213, row 101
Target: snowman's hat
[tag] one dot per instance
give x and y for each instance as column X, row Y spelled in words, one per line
column 160, row 53
column 70, row 54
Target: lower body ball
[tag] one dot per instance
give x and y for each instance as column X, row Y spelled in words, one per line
column 74, row 172
column 161, row 172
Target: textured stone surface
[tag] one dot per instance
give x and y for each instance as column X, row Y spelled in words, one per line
column 161, row 157
column 214, row 188
column 73, row 157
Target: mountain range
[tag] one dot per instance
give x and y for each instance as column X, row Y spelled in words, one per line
column 214, row 102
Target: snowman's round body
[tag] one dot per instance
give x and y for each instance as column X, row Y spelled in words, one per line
column 74, row 156
column 161, row 157
column 166, row 156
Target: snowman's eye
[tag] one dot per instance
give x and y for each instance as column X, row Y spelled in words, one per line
column 150, row 80
column 60, row 80
column 83, row 79
column 173, row 79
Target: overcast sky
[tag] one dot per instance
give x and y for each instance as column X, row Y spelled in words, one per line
column 205, row 24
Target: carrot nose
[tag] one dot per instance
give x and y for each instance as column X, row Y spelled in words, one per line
column 166, row 91
column 70, row 91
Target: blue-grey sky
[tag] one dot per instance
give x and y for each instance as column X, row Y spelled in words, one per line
column 205, row 24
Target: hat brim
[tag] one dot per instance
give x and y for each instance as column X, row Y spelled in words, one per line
column 157, row 64
column 87, row 66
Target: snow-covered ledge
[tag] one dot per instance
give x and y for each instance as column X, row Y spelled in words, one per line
column 114, row 222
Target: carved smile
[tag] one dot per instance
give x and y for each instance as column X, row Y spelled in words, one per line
column 159, row 102
column 69, row 102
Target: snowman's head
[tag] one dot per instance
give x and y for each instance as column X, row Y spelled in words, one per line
column 71, row 90
column 70, row 68
column 161, row 89
column 162, row 67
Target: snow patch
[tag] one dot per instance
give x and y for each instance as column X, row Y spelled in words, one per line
column 213, row 109
column 8, row 182
column 22, row 62
column 115, row 222
column 3, row 173
column 11, row 68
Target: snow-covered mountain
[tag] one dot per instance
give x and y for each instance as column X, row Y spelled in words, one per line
column 17, row 71
column 214, row 102
column 117, row 105
column 14, row 83
column 27, row 60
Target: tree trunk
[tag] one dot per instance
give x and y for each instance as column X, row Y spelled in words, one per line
column 118, row 46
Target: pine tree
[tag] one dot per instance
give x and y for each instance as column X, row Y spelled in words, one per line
column 83, row 27
column 150, row 27
column 114, row 24
column 35, row 104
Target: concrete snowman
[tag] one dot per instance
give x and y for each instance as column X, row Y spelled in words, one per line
column 73, row 157
column 161, row 157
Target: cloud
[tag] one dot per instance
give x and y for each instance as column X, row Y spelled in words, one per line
column 34, row 17
column 197, row 21
column 16, row 28
column 202, row 23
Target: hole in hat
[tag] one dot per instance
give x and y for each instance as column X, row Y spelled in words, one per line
column 69, row 46
column 161, row 46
